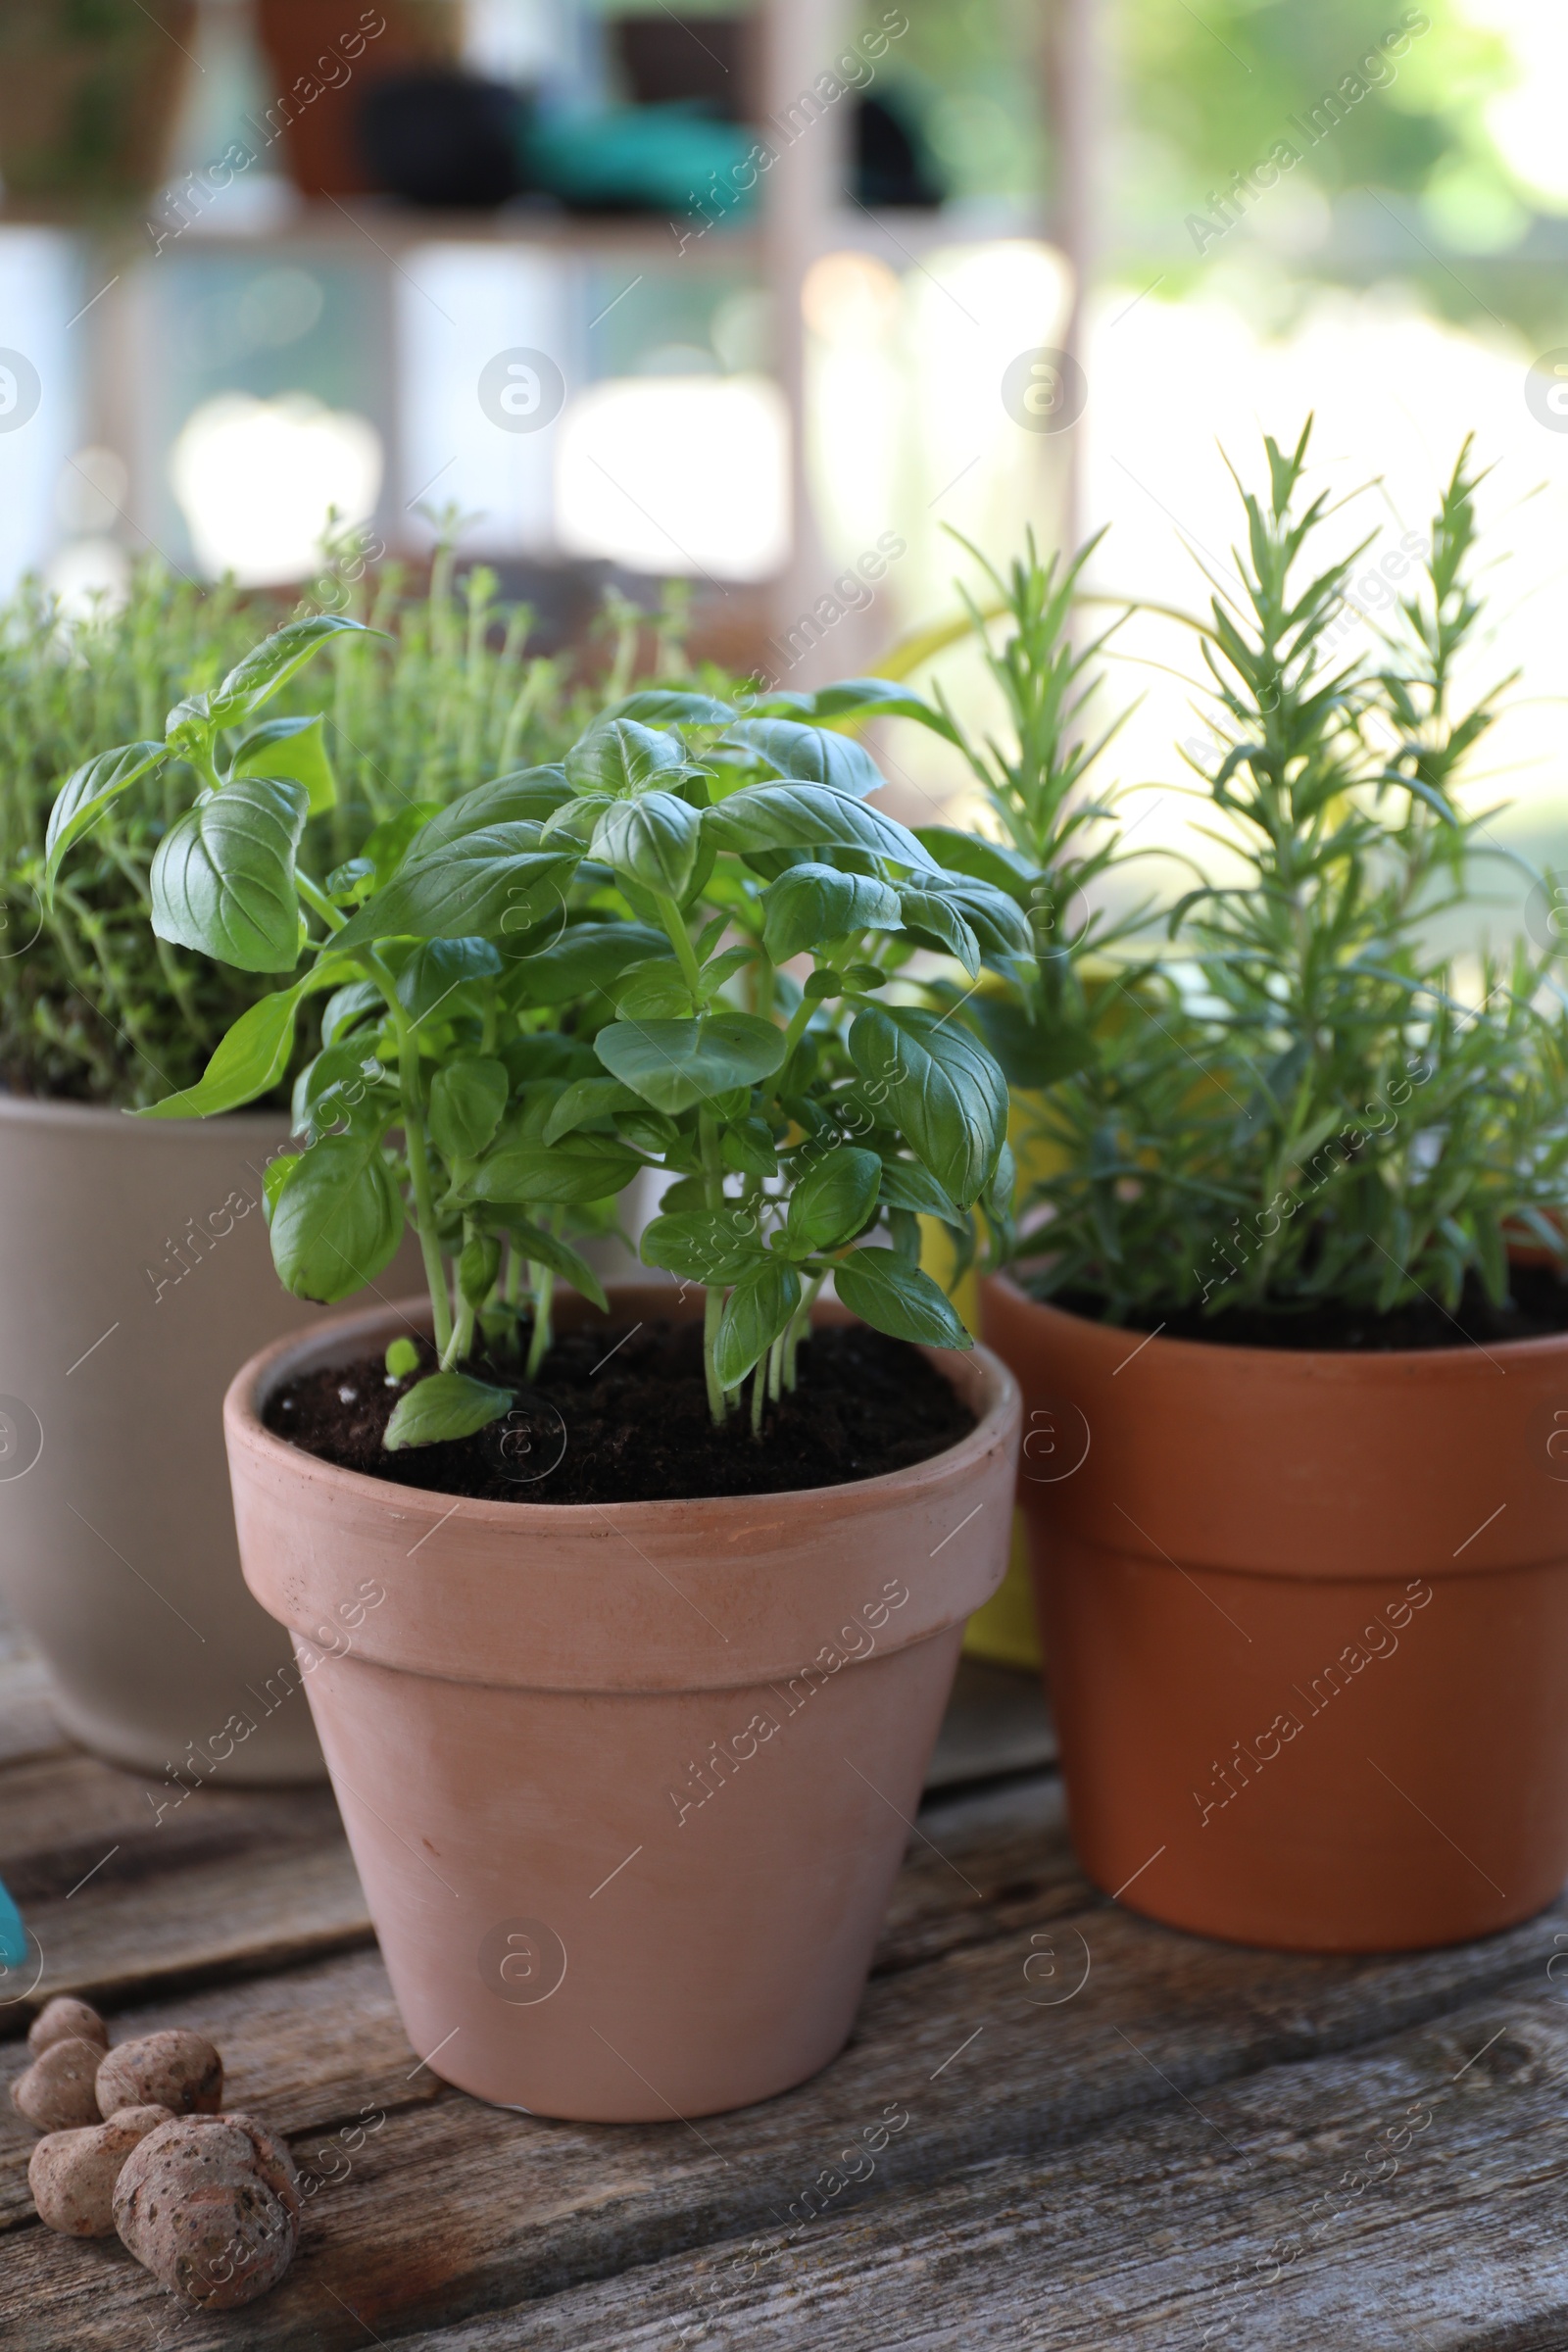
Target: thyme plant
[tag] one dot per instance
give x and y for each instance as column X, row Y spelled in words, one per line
column 576, row 972
column 1318, row 1110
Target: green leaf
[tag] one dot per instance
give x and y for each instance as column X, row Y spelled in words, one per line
column 587, row 1099
column 756, row 1310
column 582, row 962
column 983, row 860
column 938, row 917
column 546, row 1248
column 248, row 1062
column 434, row 974
column 808, row 817
column 833, row 1200
column 894, row 1296
column 347, row 1006
column 878, row 698
column 941, row 1087
column 276, row 1173
column 905, row 1184
column 478, row 1264
column 393, row 838
column 525, row 796
column 493, row 884
column 703, row 1244
column 223, row 879
column 654, row 991
column 748, row 1145
column 811, row 904
column 445, row 1406
column 337, row 1222
column 809, row 755
column 332, row 1090
column 189, row 729
column 618, row 757
column 584, row 1167
column 671, row 707
column 295, row 747
column 269, row 664
column 402, row 1358
column 85, row 795
column 466, row 1102
column 654, row 839
column 673, row 1065
column 1031, row 1054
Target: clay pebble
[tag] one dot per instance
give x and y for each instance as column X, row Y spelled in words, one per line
column 57, row 2092
column 72, row 2174
column 66, row 2019
column 175, row 2069
column 211, row 2206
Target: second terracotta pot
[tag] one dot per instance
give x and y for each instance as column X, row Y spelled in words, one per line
column 627, row 1787
column 1305, row 1618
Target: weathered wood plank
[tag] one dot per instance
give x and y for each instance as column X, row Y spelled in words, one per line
column 1261, row 2221
column 451, row 2208
column 118, row 1899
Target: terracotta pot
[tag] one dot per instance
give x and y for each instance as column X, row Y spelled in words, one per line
column 1305, row 1618
column 627, row 1787
column 322, row 61
column 134, row 1275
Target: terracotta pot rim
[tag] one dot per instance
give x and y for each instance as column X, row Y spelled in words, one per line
column 1000, row 1401
column 1320, row 1363
column 47, row 1109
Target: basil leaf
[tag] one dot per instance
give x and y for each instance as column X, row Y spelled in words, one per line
column 833, row 1200
column 701, row 1245
column 809, row 754
column 809, row 816
column 246, row 1062
column 654, row 991
column 618, row 757
column 466, row 1100
column 582, row 962
column 984, row 861
column 671, row 707
column 525, row 796
column 549, row 1250
column 85, row 793
column 878, row 698
column 905, row 1184
column 223, row 879
column 295, row 747
column 443, row 1406
column 941, row 1088
column 811, row 903
column 347, row 1006
column 269, row 664
column 330, row 1090
column 491, row 884
column 673, row 1065
column 435, row 972
column 337, row 1222
column 894, row 1296
column 995, row 917
column 756, row 1310
column 927, row 911
column 587, row 1099
column 748, row 1145
column 585, row 1167
column 393, row 838
column 654, row 839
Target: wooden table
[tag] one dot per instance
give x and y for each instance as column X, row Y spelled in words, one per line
column 1097, row 2132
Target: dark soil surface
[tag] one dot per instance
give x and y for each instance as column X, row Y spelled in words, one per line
column 622, row 1416
column 1537, row 1310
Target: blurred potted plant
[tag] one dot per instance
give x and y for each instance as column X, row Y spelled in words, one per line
column 1302, row 1517
column 770, row 1528
column 132, row 1259
column 88, row 96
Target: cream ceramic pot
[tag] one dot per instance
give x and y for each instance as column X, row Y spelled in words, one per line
column 627, row 1787
column 135, row 1276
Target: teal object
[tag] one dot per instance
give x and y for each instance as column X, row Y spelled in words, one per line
column 663, row 158
column 13, row 1934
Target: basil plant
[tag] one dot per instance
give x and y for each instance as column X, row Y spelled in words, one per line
column 686, row 949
